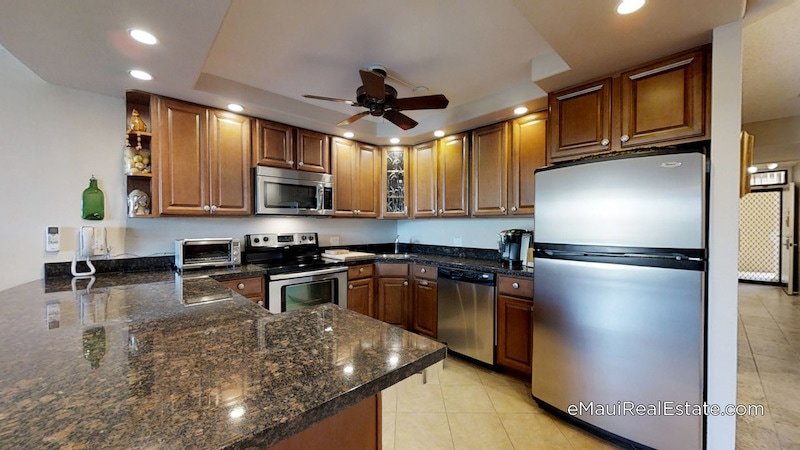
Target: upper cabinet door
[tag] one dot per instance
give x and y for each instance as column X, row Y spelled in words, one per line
column 489, row 163
column 580, row 121
column 665, row 100
column 368, row 174
column 313, row 154
column 422, row 180
column 528, row 151
column 273, row 145
column 453, row 175
column 229, row 164
column 394, row 183
column 343, row 155
column 182, row 159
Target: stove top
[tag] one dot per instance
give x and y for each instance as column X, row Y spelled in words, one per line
column 285, row 253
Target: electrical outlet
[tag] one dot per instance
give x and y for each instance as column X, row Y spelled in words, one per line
column 334, row 240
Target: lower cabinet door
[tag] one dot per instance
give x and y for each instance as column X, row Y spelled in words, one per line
column 424, row 317
column 360, row 296
column 514, row 333
column 393, row 301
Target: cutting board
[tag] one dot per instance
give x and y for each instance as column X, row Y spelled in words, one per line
column 348, row 255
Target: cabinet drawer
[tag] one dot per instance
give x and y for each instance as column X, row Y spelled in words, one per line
column 391, row 270
column 357, row 272
column 248, row 287
column 424, row 272
column 518, row 287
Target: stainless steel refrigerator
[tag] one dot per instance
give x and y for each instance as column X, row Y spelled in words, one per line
column 620, row 294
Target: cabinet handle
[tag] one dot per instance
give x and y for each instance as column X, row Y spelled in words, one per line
column 240, row 286
column 513, row 208
column 604, row 142
column 290, row 162
column 405, row 283
column 423, row 283
column 261, row 303
column 213, row 209
column 423, row 270
column 206, row 208
column 441, row 211
column 624, row 138
column 502, row 209
column 300, row 163
column 360, row 269
column 350, row 286
column 515, row 285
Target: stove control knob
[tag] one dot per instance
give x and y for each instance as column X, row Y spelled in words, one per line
column 311, row 238
column 304, row 238
column 256, row 240
column 266, row 238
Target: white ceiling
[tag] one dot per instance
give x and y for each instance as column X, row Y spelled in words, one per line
column 771, row 79
column 486, row 56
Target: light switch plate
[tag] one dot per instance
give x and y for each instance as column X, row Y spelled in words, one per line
column 334, row 240
column 52, row 242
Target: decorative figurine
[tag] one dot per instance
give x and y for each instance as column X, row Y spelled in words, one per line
column 137, row 124
column 138, row 203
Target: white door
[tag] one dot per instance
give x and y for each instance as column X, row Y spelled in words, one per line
column 789, row 244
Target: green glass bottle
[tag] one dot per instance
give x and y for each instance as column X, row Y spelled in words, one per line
column 93, row 204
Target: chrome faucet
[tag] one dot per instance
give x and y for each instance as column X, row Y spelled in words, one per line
column 397, row 244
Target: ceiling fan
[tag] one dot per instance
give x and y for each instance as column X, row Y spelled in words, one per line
column 380, row 99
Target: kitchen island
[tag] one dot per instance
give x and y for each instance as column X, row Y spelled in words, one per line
column 134, row 366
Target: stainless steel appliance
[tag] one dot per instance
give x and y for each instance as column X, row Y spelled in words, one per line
column 296, row 275
column 293, row 192
column 467, row 313
column 620, row 287
column 207, row 252
column 510, row 247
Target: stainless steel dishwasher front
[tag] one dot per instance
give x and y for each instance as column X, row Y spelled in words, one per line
column 467, row 313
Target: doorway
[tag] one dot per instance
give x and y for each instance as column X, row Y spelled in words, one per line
column 760, row 236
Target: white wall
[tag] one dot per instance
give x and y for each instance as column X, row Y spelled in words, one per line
column 775, row 140
column 53, row 139
column 478, row 233
column 726, row 118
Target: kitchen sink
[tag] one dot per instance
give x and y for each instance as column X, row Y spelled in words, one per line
column 394, row 255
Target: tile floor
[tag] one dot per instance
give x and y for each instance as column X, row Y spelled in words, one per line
column 464, row 406
column 769, row 367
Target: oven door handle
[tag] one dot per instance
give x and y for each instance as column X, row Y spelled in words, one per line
column 288, row 276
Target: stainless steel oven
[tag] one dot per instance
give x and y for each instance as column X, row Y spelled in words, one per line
column 293, row 192
column 291, row 291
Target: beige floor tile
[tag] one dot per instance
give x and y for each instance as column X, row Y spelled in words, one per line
column 422, row 431
column 490, row 378
column 389, row 399
column 582, row 440
column 787, row 425
column 387, row 430
column 420, row 398
column 480, row 431
column 533, row 432
column 456, row 371
column 778, row 366
column 466, row 398
column 512, row 399
column 751, row 437
column 749, row 389
column 781, row 391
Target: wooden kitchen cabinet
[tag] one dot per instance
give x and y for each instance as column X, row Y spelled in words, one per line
column 356, row 178
column 580, row 121
column 423, row 179
column 514, row 333
column 204, row 159
column 313, row 153
column 393, row 301
column 425, row 307
column 664, row 100
column 453, row 175
column 273, row 144
column 489, row 184
column 394, row 182
column 528, row 153
column 250, row 287
column 361, row 296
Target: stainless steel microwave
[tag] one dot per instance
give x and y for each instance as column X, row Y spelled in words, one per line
column 207, row 252
column 293, row 192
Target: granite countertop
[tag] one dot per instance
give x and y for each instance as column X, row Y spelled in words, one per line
column 131, row 365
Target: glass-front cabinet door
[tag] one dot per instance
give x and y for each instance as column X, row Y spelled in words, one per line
column 394, row 193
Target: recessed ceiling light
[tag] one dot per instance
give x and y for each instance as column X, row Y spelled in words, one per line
column 235, row 107
column 438, row 133
column 629, row 6
column 752, row 169
column 143, row 36
column 140, row 75
column 349, row 134
column 772, row 166
column 520, row 110
column 394, row 140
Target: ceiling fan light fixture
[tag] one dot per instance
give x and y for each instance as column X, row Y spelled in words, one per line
column 438, row 133
column 235, row 107
column 143, row 36
column 752, row 169
column 520, row 110
column 394, row 140
column 349, row 134
column 772, row 166
column 629, row 6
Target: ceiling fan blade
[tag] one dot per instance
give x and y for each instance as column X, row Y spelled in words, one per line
column 330, row 99
column 352, row 119
column 373, row 83
column 423, row 102
column 400, row 119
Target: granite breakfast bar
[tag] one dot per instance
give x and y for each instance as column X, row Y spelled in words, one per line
column 132, row 366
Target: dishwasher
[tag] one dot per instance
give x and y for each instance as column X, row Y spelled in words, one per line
column 467, row 313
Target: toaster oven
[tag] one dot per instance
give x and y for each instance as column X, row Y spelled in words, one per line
column 207, row 252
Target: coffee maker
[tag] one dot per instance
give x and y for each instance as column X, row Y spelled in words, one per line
column 511, row 246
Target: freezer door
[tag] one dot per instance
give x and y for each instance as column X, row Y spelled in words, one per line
column 649, row 201
column 612, row 333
